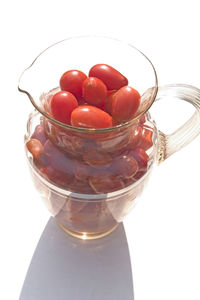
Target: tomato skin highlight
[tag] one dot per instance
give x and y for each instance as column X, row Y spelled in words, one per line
column 94, row 91
column 87, row 116
column 125, row 103
column 112, row 78
column 72, row 82
column 62, row 105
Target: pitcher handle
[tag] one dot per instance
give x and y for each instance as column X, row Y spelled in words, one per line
column 169, row 144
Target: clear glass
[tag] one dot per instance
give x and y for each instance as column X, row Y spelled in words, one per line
column 82, row 53
column 90, row 179
column 88, row 182
column 171, row 143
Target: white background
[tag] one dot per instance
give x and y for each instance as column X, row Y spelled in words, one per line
column 163, row 231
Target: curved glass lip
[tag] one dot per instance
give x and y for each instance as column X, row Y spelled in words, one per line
column 91, row 130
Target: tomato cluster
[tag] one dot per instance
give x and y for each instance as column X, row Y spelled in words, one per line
column 87, row 165
column 94, row 163
column 101, row 100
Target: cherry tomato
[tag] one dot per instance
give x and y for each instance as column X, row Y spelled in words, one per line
column 35, row 148
column 62, row 105
column 125, row 104
column 112, row 78
column 87, row 116
column 109, row 99
column 94, row 91
column 72, row 82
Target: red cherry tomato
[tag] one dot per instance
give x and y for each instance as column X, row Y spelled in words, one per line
column 62, row 105
column 125, row 104
column 35, row 147
column 94, row 91
column 112, row 78
column 72, row 82
column 109, row 99
column 87, row 116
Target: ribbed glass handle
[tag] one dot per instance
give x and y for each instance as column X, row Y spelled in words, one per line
column 169, row 144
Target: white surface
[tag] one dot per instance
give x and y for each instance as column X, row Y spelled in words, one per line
column 64, row 267
column 163, row 231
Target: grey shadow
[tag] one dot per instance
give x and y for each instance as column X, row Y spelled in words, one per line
column 66, row 268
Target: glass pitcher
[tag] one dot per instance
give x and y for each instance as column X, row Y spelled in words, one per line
column 90, row 179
